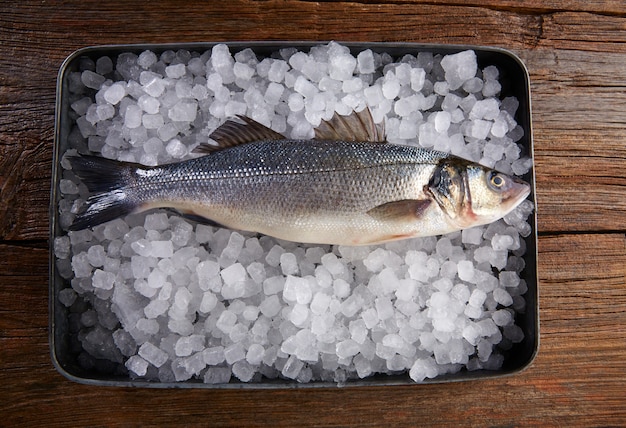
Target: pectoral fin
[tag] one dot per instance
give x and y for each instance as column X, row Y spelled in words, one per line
column 407, row 209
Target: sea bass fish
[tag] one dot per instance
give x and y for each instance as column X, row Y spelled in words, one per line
column 347, row 186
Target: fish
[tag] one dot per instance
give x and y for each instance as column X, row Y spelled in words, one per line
column 346, row 186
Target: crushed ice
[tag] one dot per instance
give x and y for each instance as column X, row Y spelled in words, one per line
column 174, row 300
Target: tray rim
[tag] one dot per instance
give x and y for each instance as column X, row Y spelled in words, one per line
column 276, row 45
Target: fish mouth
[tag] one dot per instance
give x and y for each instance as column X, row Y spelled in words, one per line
column 518, row 191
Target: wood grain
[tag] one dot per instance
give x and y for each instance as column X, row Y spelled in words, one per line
column 575, row 52
column 576, row 379
column 577, row 89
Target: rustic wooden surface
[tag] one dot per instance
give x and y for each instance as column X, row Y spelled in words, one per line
column 576, row 55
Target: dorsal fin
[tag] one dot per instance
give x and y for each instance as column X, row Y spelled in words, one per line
column 354, row 127
column 232, row 133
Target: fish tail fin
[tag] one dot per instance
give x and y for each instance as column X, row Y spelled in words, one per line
column 107, row 181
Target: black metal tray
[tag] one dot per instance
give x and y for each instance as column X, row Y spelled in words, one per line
column 515, row 82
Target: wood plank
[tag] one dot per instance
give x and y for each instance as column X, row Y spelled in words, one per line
column 277, row 20
column 36, row 36
column 578, row 104
column 584, row 31
column 611, row 7
column 577, row 378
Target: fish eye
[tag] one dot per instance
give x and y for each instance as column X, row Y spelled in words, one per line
column 496, row 180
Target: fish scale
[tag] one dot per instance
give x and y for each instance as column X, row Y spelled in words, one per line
column 315, row 174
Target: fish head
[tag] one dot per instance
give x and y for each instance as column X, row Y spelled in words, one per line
column 471, row 194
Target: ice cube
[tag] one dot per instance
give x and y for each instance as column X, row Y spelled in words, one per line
column 501, row 296
column 217, row 375
column 204, row 233
column 250, row 313
column 133, row 116
column 491, row 88
column 184, row 111
column 67, row 297
column 257, row 272
column 156, row 308
column 289, row 264
column 271, row 306
column 370, row 317
column 125, row 342
column 213, row 355
column 234, row 353
column 514, row 333
column 273, row 285
column 299, row 315
column 273, row 256
column 347, row 348
column 423, row 368
column 103, row 280
column 442, row 121
column 341, row 66
column 223, row 62
column 243, row 371
column 185, row 346
column 146, row 59
column 96, row 255
column 226, row 321
column 175, row 71
column 293, row 288
column 115, row 93
column 479, row 129
column 156, row 221
column 391, row 87
column 418, row 77
column 477, row 298
column 320, row 303
column 153, row 354
column 373, row 95
column 292, row 367
column 459, row 68
column 104, row 65
column 161, row 249
column 384, row 308
column 176, row 149
column 509, row 279
column 472, row 236
column 137, row 365
column 147, row 326
column 502, row 317
column 234, row 274
column 465, row 270
column 502, row 242
column 91, row 79
column 304, row 87
column 341, row 288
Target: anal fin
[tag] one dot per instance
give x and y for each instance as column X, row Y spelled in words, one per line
column 196, row 218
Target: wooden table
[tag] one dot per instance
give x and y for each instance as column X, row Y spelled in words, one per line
column 576, row 53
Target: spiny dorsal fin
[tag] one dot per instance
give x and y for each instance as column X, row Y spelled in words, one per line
column 354, row 127
column 232, row 133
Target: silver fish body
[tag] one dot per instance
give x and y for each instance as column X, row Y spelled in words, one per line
column 312, row 191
